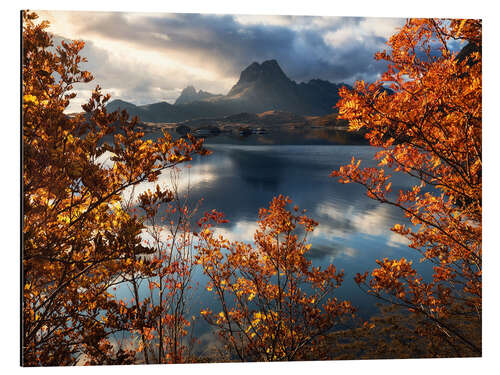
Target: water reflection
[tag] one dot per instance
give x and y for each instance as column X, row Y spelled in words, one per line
column 353, row 230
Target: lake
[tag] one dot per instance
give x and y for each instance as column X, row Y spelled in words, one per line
column 353, row 231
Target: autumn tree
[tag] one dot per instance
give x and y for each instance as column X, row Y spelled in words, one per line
column 428, row 128
column 77, row 238
column 274, row 305
column 163, row 328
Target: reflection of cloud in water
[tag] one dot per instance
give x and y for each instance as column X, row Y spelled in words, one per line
column 330, row 252
column 105, row 160
column 349, row 221
column 327, row 230
column 242, row 231
column 184, row 176
column 333, row 222
column 161, row 232
column 397, row 240
column 181, row 178
column 373, row 222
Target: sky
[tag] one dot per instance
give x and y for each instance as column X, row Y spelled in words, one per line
column 150, row 57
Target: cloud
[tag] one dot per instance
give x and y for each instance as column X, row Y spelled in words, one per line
column 146, row 57
column 135, row 78
column 305, row 46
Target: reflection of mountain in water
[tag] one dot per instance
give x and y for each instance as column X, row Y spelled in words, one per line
column 293, row 136
column 262, row 171
column 245, row 178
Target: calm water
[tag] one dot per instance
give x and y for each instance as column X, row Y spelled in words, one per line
column 353, row 230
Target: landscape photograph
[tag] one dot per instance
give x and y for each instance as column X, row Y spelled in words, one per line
column 224, row 188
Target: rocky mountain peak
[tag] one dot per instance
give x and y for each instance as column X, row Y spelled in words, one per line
column 189, row 90
column 269, row 73
column 269, row 69
column 189, row 95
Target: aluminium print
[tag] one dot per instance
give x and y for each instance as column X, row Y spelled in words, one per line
column 203, row 188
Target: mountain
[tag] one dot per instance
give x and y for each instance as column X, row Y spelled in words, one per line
column 156, row 112
column 265, row 87
column 189, row 95
column 119, row 105
column 266, row 78
column 261, row 87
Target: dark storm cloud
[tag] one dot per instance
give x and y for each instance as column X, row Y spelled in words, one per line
column 223, row 44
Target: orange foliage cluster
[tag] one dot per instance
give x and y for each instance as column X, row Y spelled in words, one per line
column 428, row 128
column 275, row 305
column 78, row 239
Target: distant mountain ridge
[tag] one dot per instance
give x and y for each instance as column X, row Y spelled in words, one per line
column 261, row 87
column 189, row 95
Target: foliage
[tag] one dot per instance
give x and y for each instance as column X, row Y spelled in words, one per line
column 77, row 238
column 274, row 304
column 162, row 324
column 430, row 129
